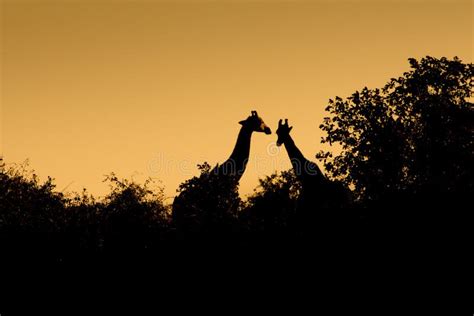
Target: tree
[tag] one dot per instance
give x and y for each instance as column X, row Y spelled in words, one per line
column 408, row 142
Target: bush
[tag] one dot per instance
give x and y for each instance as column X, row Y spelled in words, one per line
column 131, row 217
column 272, row 207
column 208, row 203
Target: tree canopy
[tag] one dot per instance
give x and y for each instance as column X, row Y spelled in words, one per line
column 407, row 140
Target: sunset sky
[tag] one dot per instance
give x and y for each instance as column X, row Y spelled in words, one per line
column 151, row 88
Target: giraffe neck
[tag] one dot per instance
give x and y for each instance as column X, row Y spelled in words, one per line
column 306, row 171
column 237, row 162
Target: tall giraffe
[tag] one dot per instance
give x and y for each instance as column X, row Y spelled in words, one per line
column 207, row 202
column 236, row 164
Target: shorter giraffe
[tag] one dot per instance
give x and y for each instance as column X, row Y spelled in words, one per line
column 318, row 192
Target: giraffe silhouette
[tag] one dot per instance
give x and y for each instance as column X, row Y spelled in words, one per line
column 209, row 202
column 236, row 164
column 318, row 193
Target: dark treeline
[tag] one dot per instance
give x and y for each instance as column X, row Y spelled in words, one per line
column 406, row 165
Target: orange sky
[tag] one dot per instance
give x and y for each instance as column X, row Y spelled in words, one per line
column 150, row 88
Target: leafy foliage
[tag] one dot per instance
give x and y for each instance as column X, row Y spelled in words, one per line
column 411, row 138
column 207, row 203
column 272, row 206
column 130, row 210
column 28, row 205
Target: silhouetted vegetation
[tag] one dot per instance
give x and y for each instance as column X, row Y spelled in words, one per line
column 34, row 216
column 410, row 143
column 407, row 145
column 272, row 207
column 206, row 204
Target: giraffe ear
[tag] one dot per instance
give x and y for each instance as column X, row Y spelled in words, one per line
column 242, row 122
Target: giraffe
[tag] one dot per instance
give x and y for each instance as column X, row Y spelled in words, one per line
column 209, row 202
column 236, row 164
column 318, row 193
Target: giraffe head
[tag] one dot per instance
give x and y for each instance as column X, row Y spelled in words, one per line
column 256, row 124
column 283, row 131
